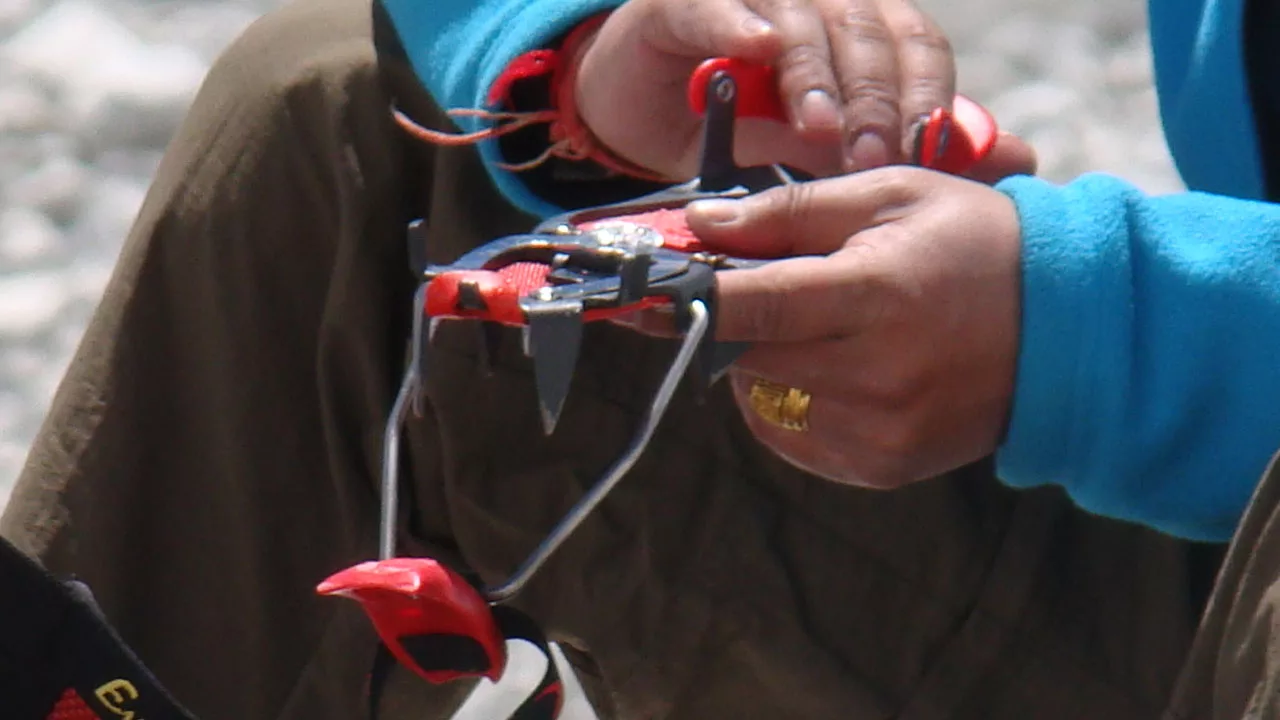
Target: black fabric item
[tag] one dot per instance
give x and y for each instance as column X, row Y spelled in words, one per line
column 53, row 638
column 1262, row 65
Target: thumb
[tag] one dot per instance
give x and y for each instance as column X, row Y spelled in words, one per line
column 807, row 218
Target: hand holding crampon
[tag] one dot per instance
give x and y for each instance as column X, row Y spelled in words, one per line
column 585, row 266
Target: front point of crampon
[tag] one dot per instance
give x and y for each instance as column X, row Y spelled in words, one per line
column 430, row 618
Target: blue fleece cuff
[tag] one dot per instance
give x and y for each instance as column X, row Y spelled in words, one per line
column 1147, row 371
column 458, row 48
column 1065, row 285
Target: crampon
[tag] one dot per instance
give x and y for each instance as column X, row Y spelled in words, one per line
column 585, row 266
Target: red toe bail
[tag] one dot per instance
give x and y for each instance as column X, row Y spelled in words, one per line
column 388, row 576
column 431, row 619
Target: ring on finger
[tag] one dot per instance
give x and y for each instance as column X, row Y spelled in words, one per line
column 780, row 405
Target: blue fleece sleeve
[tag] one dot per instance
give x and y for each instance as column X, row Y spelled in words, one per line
column 459, row 47
column 1149, row 378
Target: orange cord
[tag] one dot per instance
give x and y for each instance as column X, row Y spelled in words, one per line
column 570, row 137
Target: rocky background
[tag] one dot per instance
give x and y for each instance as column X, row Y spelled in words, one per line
column 91, row 90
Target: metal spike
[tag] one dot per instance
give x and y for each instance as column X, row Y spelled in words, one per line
column 417, row 239
column 698, row 325
column 554, row 335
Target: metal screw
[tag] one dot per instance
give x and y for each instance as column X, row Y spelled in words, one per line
column 725, row 90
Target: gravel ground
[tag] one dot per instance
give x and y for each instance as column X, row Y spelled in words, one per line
column 90, row 91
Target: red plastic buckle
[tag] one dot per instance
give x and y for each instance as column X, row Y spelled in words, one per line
column 432, row 620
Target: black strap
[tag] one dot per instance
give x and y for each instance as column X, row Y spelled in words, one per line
column 1262, row 65
column 60, row 657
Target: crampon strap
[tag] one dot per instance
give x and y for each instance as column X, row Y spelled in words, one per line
column 528, row 276
column 61, row 660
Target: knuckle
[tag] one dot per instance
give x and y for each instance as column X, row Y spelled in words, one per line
column 925, row 91
column 919, row 32
column 871, row 98
column 768, row 317
column 863, row 23
column 777, row 8
column 807, row 65
column 789, row 206
column 895, row 186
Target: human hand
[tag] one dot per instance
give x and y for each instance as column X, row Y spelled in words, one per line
column 854, row 75
column 899, row 315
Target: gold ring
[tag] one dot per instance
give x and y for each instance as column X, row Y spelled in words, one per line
column 785, row 407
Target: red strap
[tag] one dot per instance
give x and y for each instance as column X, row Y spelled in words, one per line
column 530, row 65
column 568, row 130
column 525, row 277
column 670, row 223
column 570, row 138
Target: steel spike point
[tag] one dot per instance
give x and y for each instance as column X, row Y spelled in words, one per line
column 555, row 337
column 416, row 236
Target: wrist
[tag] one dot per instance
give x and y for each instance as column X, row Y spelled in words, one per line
column 573, row 101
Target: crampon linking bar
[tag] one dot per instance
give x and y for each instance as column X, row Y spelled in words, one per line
column 584, row 266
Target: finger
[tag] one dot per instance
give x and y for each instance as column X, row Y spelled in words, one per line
column 710, row 28
column 841, row 443
column 809, row 450
column 805, row 76
column 850, row 368
column 767, row 142
column 794, row 300
column 925, row 60
column 1011, row 155
column 866, row 60
column 810, row 218
column 822, row 367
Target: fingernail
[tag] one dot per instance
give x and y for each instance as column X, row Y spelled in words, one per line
column 818, row 111
column 719, row 212
column 754, row 26
column 868, row 150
